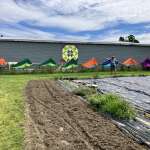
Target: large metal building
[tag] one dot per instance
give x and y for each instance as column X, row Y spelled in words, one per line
column 40, row 50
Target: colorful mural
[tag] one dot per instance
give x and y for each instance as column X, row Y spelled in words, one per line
column 69, row 52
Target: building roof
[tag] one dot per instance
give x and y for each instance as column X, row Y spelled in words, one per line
column 74, row 42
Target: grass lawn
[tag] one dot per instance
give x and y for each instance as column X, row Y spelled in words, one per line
column 12, row 103
column 12, row 111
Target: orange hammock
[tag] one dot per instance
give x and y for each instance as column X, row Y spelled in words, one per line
column 130, row 61
column 90, row 63
column 3, row 61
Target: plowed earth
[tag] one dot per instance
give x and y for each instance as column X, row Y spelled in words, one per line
column 59, row 120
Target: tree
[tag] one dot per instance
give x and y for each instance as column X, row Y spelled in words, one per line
column 136, row 41
column 121, row 39
column 131, row 38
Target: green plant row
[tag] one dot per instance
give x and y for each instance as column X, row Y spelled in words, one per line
column 111, row 104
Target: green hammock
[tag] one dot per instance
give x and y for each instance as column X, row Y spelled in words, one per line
column 49, row 63
column 22, row 64
column 71, row 64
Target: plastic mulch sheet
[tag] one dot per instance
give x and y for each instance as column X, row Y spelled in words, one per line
column 135, row 90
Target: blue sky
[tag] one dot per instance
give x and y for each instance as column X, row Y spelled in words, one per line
column 75, row 20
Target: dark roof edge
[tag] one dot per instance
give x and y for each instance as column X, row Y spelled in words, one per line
column 75, row 42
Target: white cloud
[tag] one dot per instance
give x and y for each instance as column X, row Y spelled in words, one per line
column 78, row 15
column 113, row 36
column 144, row 38
column 147, row 26
column 29, row 33
column 71, row 15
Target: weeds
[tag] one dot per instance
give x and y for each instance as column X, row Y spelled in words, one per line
column 112, row 104
column 84, row 91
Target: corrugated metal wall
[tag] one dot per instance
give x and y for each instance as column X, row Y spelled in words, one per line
column 38, row 52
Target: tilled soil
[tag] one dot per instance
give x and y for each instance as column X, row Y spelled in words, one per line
column 59, row 120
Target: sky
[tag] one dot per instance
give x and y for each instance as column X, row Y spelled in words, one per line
column 75, row 20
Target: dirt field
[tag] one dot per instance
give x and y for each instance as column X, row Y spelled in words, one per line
column 58, row 120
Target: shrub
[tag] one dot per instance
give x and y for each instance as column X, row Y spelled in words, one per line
column 112, row 104
column 84, row 91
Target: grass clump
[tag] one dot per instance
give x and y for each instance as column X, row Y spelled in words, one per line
column 84, row 91
column 112, row 104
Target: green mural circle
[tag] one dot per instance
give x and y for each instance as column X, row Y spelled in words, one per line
column 69, row 52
